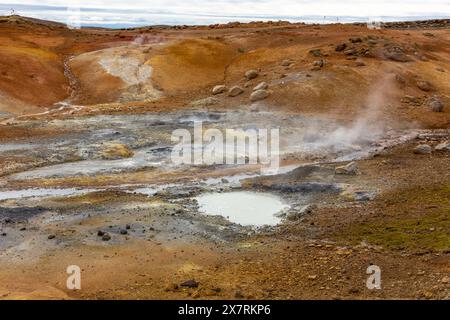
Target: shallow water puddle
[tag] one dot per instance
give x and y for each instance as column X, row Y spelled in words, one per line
column 243, row 207
column 37, row 192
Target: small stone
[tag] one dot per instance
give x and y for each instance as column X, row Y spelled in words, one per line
column 286, row 63
column 51, row 236
column 411, row 100
column 100, row 233
column 4, row 234
column 435, row 104
column 319, row 63
column 422, row 149
column 445, row 280
column 106, row 237
column 123, row 231
column 259, row 95
column 424, row 85
column 316, row 52
column 312, row 277
column 355, row 40
column 235, row 91
column 305, row 210
column 189, row 284
column 350, row 52
column 261, row 86
column 340, row 47
column 238, row 295
column 128, row 227
column 351, row 169
column 360, row 63
column 444, row 146
column 219, row 89
column 251, row 74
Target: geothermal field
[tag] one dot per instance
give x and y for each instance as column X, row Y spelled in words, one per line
column 104, row 143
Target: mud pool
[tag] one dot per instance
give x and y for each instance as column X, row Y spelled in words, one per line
column 243, row 207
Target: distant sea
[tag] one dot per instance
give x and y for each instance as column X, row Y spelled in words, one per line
column 113, row 18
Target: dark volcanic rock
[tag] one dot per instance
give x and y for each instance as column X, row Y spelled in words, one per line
column 341, row 47
column 189, row 284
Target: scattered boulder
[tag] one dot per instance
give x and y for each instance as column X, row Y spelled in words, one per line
column 123, row 231
column 350, row 169
column 189, row 284
column 424, row 85
column 106, row 237
column 206, row 102
column 422, row 149
column 316, row 52
column 261, row 86
column 51, row 236
column 305, row 210
column 340, row 47
column 411, row 100
column 319, row 63
column 235, row 91
column 286, row 63
column 251, row 74
column 360, row 63
column 100, row 233
column 395, row 53
column 219, row 89
column 355, row 40
column 351, row 52
column 435, row 104
column 444, row 146
column 259, row 95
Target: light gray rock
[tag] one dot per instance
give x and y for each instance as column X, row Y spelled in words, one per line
column 422, row 149
column 251, row 74
column 350, row 169
column 300, row 212
column 235, row 91
column 261, row 86
column 219, row 89
column 259, row 95
column 444, row 146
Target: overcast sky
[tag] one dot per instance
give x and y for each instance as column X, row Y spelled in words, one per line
column 206, row 11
